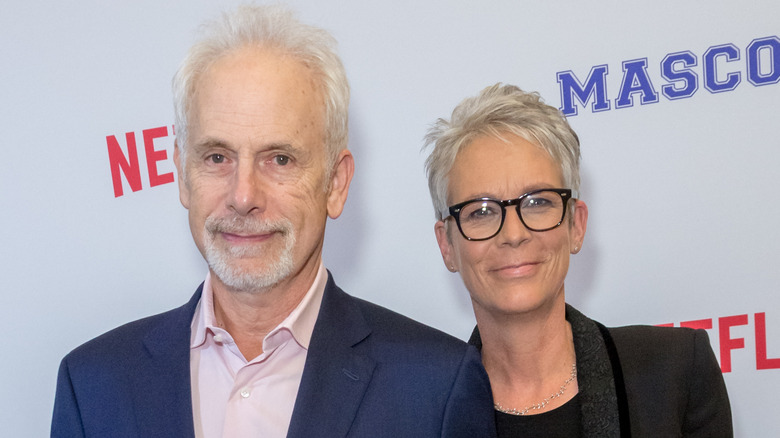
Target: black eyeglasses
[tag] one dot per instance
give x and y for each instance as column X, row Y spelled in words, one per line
column 483, row 218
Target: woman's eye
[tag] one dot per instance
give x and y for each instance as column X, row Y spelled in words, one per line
column 483, row 212
column 217, row 158
column 282, row 160
column 537, row 203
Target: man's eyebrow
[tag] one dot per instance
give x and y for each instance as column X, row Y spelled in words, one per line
column 280, row 147
column 215, row 143
column 210, row 143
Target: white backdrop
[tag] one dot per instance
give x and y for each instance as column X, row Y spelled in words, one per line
column 681, row 191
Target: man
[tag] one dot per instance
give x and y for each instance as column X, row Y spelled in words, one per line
column 268, row 345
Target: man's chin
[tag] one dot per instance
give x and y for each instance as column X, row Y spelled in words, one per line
column 242, row 274
column 245, row 282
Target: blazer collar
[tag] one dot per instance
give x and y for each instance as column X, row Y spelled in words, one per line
column 166, row 338
column 162, row 394
column 335, row 377
column 595, row 377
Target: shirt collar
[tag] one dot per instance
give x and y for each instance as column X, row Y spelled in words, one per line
column 300, row 322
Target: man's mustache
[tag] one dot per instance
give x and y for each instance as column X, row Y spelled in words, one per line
column 247, row 225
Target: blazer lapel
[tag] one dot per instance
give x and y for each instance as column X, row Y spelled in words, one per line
column 335, row 377
column 162, row 390
column 598, row 395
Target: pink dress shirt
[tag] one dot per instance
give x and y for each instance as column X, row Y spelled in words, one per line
column 235, row 397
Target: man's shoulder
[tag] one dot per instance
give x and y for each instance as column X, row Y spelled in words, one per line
column 395, row 332
column 125, row 341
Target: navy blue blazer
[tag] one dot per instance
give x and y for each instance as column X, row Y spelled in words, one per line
column 369, row 372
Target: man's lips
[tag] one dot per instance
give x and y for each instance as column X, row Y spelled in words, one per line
column 238, row 238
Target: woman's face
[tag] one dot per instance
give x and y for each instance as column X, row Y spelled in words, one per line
column 518, row 270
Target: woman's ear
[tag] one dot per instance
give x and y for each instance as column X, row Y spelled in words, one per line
column 579, row 225
column 445, row 246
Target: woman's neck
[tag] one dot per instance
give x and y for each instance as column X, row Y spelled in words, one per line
column 528, row 357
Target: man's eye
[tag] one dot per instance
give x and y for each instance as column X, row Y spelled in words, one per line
column 282, row 160
column 217, row 158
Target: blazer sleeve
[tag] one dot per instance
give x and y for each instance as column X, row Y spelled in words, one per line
column 708, row 413
column 469, row 411
column 66, row 421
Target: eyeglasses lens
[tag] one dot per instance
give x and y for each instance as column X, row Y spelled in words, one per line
column 539, row 211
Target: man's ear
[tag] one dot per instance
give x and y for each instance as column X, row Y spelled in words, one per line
column 184, row 191
column 445, row 246
column 340, row 179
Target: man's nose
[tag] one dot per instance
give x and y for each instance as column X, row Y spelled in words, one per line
column 247, row 191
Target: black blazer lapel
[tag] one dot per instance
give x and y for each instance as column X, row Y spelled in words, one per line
column 595, row 377
column 162, row 392
column 620, row 385
column 335, row 377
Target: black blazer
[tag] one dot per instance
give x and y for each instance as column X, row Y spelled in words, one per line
column 643, row 381
column 369, row 372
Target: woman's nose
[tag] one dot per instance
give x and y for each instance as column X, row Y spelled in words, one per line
column 514, row 232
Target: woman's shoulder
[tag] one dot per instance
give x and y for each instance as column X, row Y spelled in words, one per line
column 675, row 341
column 674, row 352
column 658, row 333
column 646, row 338
column 672, row 373
column 645, row 344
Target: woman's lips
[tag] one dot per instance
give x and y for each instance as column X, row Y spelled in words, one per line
column 517, row 269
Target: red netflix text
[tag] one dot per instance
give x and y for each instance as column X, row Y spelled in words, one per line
column 728, row 343
column 127, row 164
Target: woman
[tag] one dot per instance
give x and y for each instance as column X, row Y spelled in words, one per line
column 504, row 175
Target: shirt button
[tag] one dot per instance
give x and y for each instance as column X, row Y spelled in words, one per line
column 245, row 393
column 218, row 339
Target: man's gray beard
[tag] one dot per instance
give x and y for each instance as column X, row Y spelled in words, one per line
column 222, row 260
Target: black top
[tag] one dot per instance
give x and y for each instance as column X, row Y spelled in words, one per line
column 562, row 422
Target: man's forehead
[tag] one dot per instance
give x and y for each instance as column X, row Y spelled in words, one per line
column 252, row 87
column 260, row 61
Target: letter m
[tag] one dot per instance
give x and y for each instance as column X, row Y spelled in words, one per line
column 595, row 87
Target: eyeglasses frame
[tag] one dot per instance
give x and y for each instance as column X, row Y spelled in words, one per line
column 566, row 196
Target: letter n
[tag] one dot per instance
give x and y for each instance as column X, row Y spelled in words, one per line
column 128, row 165
column 595, row 86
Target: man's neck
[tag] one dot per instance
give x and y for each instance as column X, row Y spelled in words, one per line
column 250, row 315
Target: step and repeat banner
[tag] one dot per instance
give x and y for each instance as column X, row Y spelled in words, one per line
column 676, row 105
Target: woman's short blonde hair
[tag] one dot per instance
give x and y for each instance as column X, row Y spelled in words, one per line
column 497, row 110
